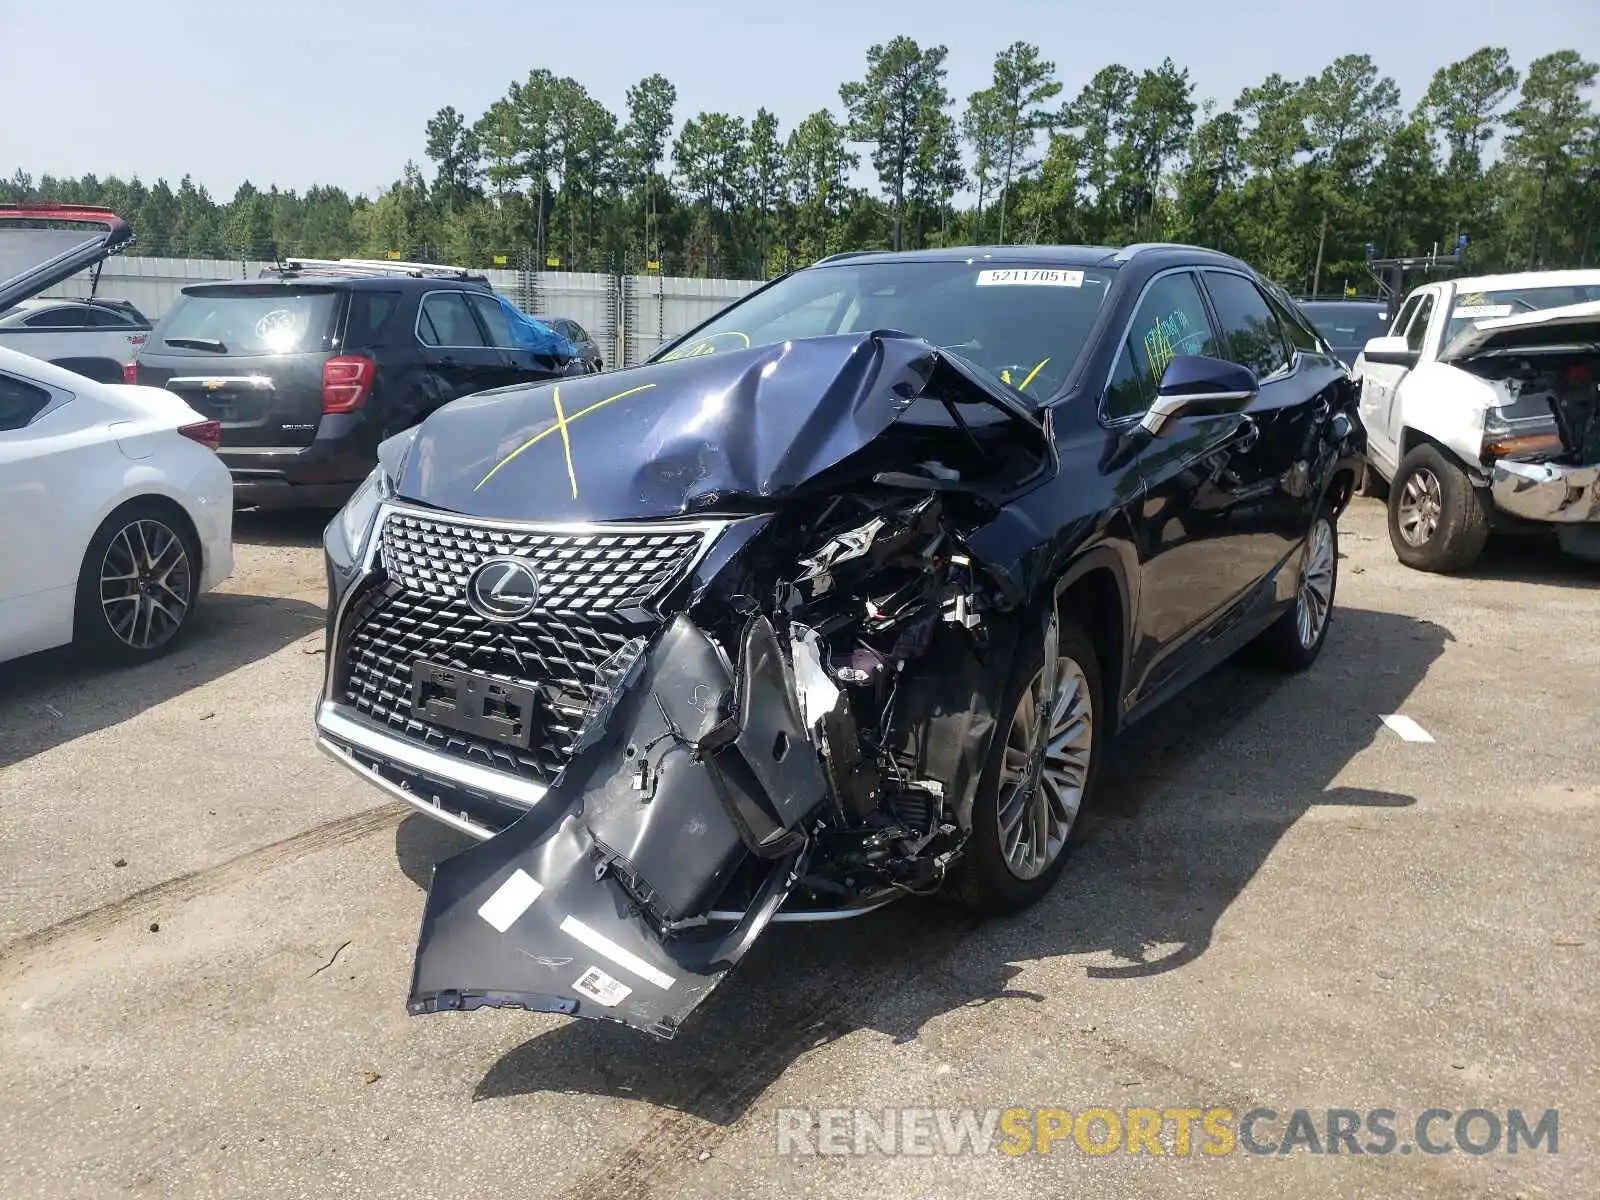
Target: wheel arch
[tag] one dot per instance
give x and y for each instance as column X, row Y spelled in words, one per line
column 167, row 505
column 1094, row 589
column 1412, row 436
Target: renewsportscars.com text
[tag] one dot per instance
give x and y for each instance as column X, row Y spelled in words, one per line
column 1177, row 1132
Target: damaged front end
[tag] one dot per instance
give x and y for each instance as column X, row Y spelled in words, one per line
column 686, row 728
column 1541, row 443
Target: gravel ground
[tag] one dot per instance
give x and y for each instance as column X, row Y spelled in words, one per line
column 206, row 935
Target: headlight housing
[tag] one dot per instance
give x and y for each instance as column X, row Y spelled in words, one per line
column 356, row 517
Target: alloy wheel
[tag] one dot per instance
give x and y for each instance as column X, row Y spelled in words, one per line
column 146, row 582
column 1046, row 764
column 1314, row 600
column 1421, row 505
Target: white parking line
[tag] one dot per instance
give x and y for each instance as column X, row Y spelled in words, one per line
column 1408, row 729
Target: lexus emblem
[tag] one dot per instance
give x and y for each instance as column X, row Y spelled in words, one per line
column 503, row 589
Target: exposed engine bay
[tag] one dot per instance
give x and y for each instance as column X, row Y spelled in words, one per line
column 1551, row 410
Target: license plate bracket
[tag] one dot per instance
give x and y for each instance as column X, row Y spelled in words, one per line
column 469, row 702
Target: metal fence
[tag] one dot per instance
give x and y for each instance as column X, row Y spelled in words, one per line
column 628, row 315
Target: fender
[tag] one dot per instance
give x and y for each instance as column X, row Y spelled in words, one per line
column 1115, row 556
column 1447, row 406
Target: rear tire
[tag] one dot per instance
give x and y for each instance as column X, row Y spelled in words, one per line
column 1293, row 642
column 1030, row 797
column 137, row 584
column 1437, row 521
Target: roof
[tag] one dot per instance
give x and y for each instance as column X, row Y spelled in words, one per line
column 1525, row 279
column 1044, row 256
column 331, row 279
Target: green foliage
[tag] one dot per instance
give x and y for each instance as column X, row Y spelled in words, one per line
column 1297, row 176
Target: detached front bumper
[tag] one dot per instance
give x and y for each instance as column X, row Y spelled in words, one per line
column 1547, row 492
column 592, row 897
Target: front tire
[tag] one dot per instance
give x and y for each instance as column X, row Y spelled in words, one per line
column 137, row 584
column 1436, row 518
column 1041, row 769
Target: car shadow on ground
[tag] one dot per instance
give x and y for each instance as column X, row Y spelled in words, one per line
column 50, row 698
column 290, row 527
column 1191, row 803
column 1533, row 559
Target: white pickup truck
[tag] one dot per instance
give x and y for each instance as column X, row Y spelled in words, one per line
column 1482, row 412
column 97, row 338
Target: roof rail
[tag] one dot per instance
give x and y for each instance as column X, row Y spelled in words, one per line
column 375, row 266
column 1127, row 252
column 842, row 255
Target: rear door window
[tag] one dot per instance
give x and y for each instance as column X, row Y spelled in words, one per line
column 445, row 320
column 495, row 321
column 56, row 318
column 1170, row 321
column 370, row 312
column 1252, row 335
column 105, row 318
column 248, row 320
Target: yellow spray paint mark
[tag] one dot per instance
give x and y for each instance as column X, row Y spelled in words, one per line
column 562, row 422
column 566, row 442
column 705, row 346
column 1031, row 374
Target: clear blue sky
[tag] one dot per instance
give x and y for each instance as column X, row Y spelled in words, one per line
column 296, row 92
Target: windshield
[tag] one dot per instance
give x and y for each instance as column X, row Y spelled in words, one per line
column 244, row 320
column 1023, row 326
column 1471, row 307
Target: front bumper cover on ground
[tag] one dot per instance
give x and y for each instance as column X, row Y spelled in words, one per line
column 1547, row 491
column 593, row 903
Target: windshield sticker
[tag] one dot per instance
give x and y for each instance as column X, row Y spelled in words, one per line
column 1477, row 312
column 1020, row 278
column 1167, row 337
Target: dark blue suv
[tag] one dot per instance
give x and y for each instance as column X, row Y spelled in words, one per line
column 832, row 602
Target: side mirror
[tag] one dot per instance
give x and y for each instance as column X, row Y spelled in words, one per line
column 1391, row 351
column 1194, row 385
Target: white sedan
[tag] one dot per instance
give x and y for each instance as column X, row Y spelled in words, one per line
column 115, row 513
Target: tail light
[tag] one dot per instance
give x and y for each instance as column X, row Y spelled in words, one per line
column 130, row 372
column 207, row 433
column 346, row 381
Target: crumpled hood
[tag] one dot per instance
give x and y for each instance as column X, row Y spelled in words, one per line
column 668, row 438
column 1531, row 330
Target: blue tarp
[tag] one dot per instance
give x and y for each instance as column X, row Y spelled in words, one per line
column 535, row 335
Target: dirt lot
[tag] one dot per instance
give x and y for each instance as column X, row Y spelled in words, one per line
column 206, row 934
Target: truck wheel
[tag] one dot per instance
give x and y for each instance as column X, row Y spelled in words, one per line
column 1436, row 518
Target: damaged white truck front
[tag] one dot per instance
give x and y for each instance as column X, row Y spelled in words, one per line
column 1482, row 413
